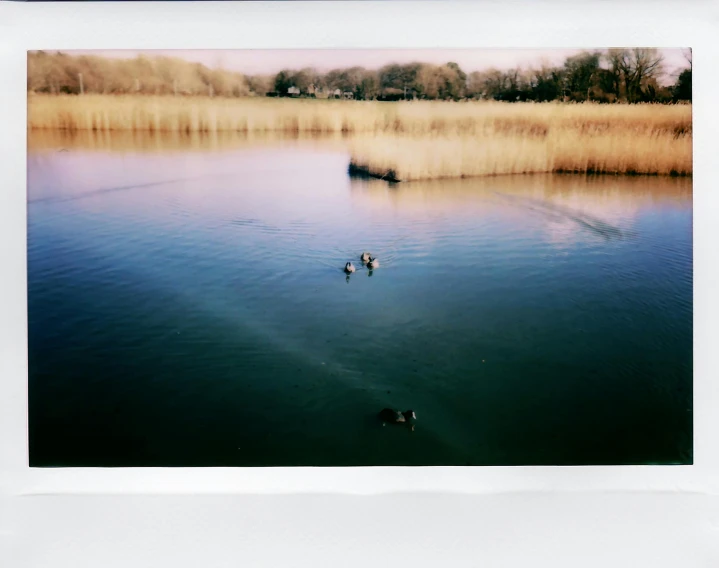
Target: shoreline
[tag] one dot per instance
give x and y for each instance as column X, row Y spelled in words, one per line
column 358, row 171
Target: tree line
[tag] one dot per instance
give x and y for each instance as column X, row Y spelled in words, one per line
column 614, row 75
column 59, row 73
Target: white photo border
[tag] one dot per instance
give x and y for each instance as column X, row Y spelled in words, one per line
column 336, row 25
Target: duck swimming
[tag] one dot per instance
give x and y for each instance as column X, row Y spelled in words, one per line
column 349, row 268
column 396, row 417
column 365, row 256
column 373, row 263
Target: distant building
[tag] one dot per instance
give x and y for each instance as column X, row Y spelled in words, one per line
column 348, row 95
column 293, row 91
column 336, row 94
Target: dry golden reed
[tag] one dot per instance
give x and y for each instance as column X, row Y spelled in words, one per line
column 401, row 158
column 414, row 139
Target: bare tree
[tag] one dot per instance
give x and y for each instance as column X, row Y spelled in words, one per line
column 632, row 69
column 635, row 67
column 616, row 59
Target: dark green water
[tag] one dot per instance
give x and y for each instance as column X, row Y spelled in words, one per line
column 190, row 309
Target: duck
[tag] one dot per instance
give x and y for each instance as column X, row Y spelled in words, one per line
column 349, row 268
column 373, row 263
column 365, row 257
column 396, row 417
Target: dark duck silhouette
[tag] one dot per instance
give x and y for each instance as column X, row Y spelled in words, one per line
column 396, row 417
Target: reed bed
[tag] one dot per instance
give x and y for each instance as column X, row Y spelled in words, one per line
column 413, row 139
column 406, row 158
column 204, row 114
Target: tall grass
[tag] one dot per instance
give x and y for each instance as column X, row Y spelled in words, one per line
column 402, row 158
column 205, row 114
column 414, row 140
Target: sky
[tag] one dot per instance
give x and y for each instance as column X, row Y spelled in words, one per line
column 267, row 61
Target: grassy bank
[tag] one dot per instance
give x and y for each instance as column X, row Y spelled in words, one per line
column 413, row 140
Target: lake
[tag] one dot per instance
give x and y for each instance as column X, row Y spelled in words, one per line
column 187, row 307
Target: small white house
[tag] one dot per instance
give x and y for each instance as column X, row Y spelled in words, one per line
column 293, row 91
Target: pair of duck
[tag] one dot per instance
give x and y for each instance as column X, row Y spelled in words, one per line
column 367, row 259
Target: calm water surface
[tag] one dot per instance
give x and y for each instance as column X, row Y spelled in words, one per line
column 188, row 308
